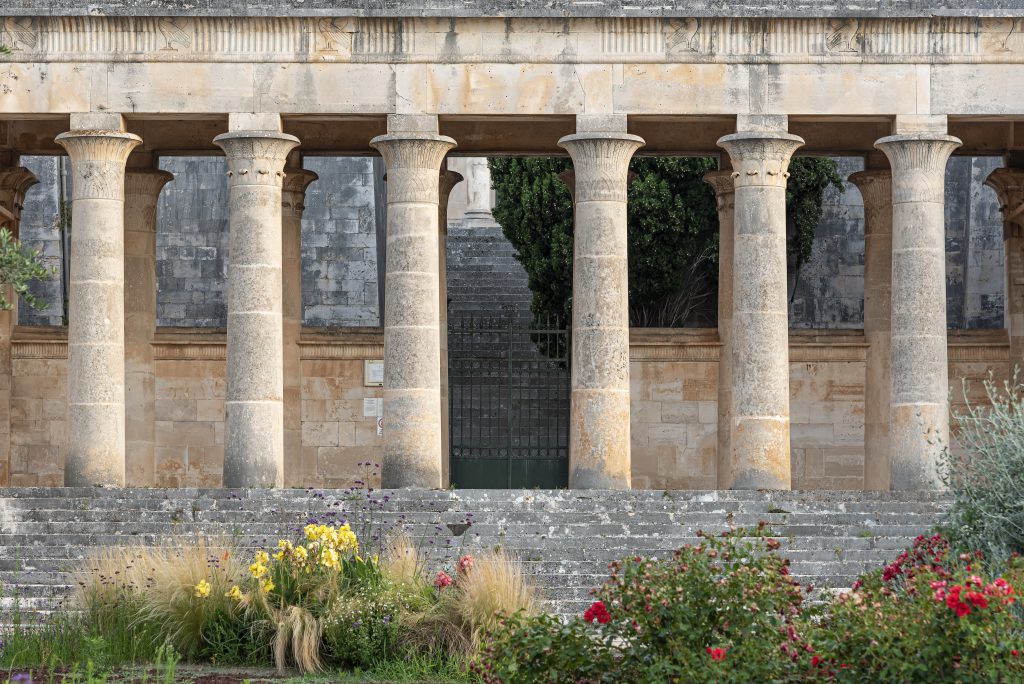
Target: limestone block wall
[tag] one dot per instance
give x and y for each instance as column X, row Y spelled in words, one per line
column 674, row 385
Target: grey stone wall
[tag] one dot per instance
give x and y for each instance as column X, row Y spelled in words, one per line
column 339, row 244
column 829, row 291
column 339, row 271
column 40, row 229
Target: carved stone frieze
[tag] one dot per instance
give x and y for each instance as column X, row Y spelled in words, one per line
column 577, row 40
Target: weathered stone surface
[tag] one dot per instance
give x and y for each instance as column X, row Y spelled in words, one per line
column 564, row 538
column 254, row 425
column 96, row 369
column 759, row 426
column 919, row 418
column 412, row 361
column 599, row 441
column 523, row 8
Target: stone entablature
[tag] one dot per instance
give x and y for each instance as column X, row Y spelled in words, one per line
column 526, row 8
column 396, row 40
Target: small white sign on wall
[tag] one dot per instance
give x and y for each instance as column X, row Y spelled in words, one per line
column 373, row 373
column 373, row 407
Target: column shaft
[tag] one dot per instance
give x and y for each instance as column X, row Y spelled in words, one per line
column 1009, row 186
column 254, row 414
column 293, row 198
column 599, row 448
column 412, row 356
column 759, row 438
column 96, row 370
column 448, row 180
column 14, row 183
column 919, row 409
column 142, row 190
column 722, row 182
column 876, row 189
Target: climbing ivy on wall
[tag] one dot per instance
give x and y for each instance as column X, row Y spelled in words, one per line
column 672, row 231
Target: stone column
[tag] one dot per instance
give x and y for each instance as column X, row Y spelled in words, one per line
column 142, row 189
column 919, row 413
column 293, row 203
column 98, row 148
column 413, row 152
column 478, row 190
column 760, row 322
column 876, row 190
column 599, row 415
column 14, row 183
column 254, row 412
column 1009, row 186
column 449, row 179
column 722, row 182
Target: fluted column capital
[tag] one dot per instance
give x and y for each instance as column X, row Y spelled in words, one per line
column 1009, row 187
column 875, row 188
column 406, row 157
column 256, row 157
column 293, row 191
column 98, row 159
column 600, row 164
column 918, row 162
column 146, row 182
column 724, row 187
column 760, row 158
column 14, row 183
column 448, row 180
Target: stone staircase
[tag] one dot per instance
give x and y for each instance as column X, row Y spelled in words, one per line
column 484, row 276
column 565, row 538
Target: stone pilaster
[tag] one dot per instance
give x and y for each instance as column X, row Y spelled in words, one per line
column 412, row 352
column 599, row 449
column 142, row 189
column 14, row 183
column 1009, row 186
column 724, row 187
column 919, row 402
column 96, row 361
column 760, row 322
column 876, row 190
column 449, row 179
column 293, row 203
column 254, row 412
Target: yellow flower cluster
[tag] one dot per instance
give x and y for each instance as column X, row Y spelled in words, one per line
column 234, row 593
column 202, row 590
column 341, row 539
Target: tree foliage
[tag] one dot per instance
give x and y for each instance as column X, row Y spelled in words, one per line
column 672, row 231
column 19, row 265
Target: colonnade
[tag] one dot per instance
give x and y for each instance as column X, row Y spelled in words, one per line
column 111, row 321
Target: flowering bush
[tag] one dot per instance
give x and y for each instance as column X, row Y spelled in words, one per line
column 725, row 610
column 932, row 615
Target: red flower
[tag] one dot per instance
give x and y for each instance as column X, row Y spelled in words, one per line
column 598, row 612
column 717, row 654
column 465, row 564
column 442, row 580
column 1014, row 652
column 816, row 660
column 962, row 610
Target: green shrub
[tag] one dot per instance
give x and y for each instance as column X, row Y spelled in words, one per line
column 362, row 629
column 931, row 616
column 725, row 610
column 986, row 474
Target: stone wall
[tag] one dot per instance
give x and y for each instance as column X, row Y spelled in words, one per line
column 829, row 291
column 674, row 384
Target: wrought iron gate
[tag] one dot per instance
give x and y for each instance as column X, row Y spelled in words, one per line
column 509, row 403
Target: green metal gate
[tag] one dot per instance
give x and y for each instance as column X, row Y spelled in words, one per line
column 509, row 403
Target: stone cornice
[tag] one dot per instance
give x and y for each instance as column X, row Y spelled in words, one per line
column 647, row 39
column 526, row 8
